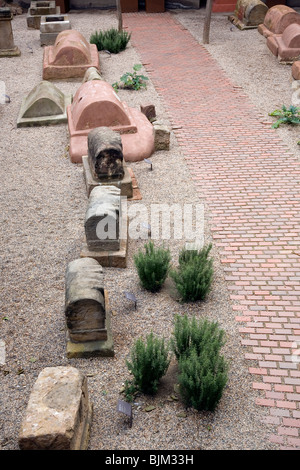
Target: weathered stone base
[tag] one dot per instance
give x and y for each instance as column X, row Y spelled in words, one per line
column 108, row 259
column 15, row 52
column 59, row 414
column 94, row 348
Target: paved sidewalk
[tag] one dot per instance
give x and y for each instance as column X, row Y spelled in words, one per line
column 249, row 182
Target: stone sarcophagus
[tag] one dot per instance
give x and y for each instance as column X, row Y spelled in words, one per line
column 7, row 45
column 44, row 105
column 277, row 19
column 38, row 9
column 87, row 310
column 96, row 104
column 58, row 414
column 106, row 227
column 104, row 163
column 103, row 219
column 248, row 14
column 286, row 46
column 51, row 26
column 69, row 57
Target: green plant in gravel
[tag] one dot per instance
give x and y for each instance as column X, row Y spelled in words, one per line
column 112, row 40
column 152, row 266
column 132, row 80
column 202, row 369
column 148, row 363
column 202, row 379
column 286, row 116
column 194, row 274
column 193, row 333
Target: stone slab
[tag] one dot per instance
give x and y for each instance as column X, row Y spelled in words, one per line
column 59, row 414
column 94, row 348
column 15, row 52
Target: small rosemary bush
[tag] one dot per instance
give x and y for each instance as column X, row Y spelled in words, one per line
column 152, row 266
column 111, row 40
column 202, row 379
column 194, row 275
column 148, row 363
column 286, row 116
column 202, row 370
column 131, row 80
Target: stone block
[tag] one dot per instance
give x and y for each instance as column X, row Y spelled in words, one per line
column 105, row 254
column 84, row 301
column 37, row 10
column 58, row 414
column 44, row 105
column 161, row 136
column 91, row 74
column 7, row 45
column 103, row 219
column 51, row 26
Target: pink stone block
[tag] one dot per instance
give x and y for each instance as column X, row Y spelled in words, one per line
column 296, row 70
column 277, row 19
column 96, row 104
column 69, row 57
column 286, row 45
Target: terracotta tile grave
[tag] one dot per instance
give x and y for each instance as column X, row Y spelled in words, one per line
column 277, row 19
column 69, row 57
column 96, row 104
column 286, row 46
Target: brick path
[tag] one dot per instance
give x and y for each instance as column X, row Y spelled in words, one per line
column 249, row 182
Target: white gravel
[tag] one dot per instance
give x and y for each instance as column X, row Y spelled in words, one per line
column 43, row 203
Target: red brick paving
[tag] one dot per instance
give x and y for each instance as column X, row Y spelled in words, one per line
column 248, row 180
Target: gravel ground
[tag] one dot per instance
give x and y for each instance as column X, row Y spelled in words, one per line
column 43, row 203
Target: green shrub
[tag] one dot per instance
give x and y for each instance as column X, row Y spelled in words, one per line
column 149, row 362
column 194, row 275
column 111, row 40
column 202, row 379
column 202, row 370
column 152, row 266
column 131, row 80
column 198, row 334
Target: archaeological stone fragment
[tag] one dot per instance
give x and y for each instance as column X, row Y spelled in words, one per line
column 7, row 45
column 248, row 14
column 58, row 414
column 103, row 219
column 69, row 57
column 44, row 105
column 87, row 310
